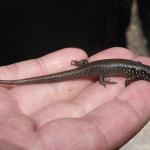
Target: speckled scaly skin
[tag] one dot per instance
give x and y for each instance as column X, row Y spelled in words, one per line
column 100, row 69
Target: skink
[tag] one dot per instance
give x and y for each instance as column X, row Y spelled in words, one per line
column 100, row 69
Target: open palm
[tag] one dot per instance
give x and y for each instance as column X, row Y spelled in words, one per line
column 70, row 115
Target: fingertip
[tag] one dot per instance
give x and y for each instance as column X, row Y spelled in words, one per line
column 61, row 59
column 120, row 51
column 115, row 52
column 75, row 51
column 53, row 62
column 66, row 54
column 143, row 59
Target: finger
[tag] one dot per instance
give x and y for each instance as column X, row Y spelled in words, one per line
column 108, row 127
column 8, row 104
column 92, row 97
column 142, row 59
column 115, row 52
column 50, row 63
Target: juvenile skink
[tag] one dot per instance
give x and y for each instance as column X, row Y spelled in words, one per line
column 100, row 69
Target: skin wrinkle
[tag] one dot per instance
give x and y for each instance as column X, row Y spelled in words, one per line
column 132, row 111
column 51, row 146
column 21, row 66
column 83, row 105
column 41, row 141
column 42, row 65
column 23, row 107
column 25, row 103
column 92, row 131
column 70, row 110
column 99, row 128
column 16, row 125
column 16, row 116
column 6, row 92
column 13, row 68
column 19, row 69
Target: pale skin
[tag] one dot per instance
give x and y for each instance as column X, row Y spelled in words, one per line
column 70, row 115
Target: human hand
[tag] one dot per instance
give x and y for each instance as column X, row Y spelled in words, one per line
column 70, row 115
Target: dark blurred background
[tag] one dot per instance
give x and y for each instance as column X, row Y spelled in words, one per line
column 30, row 28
